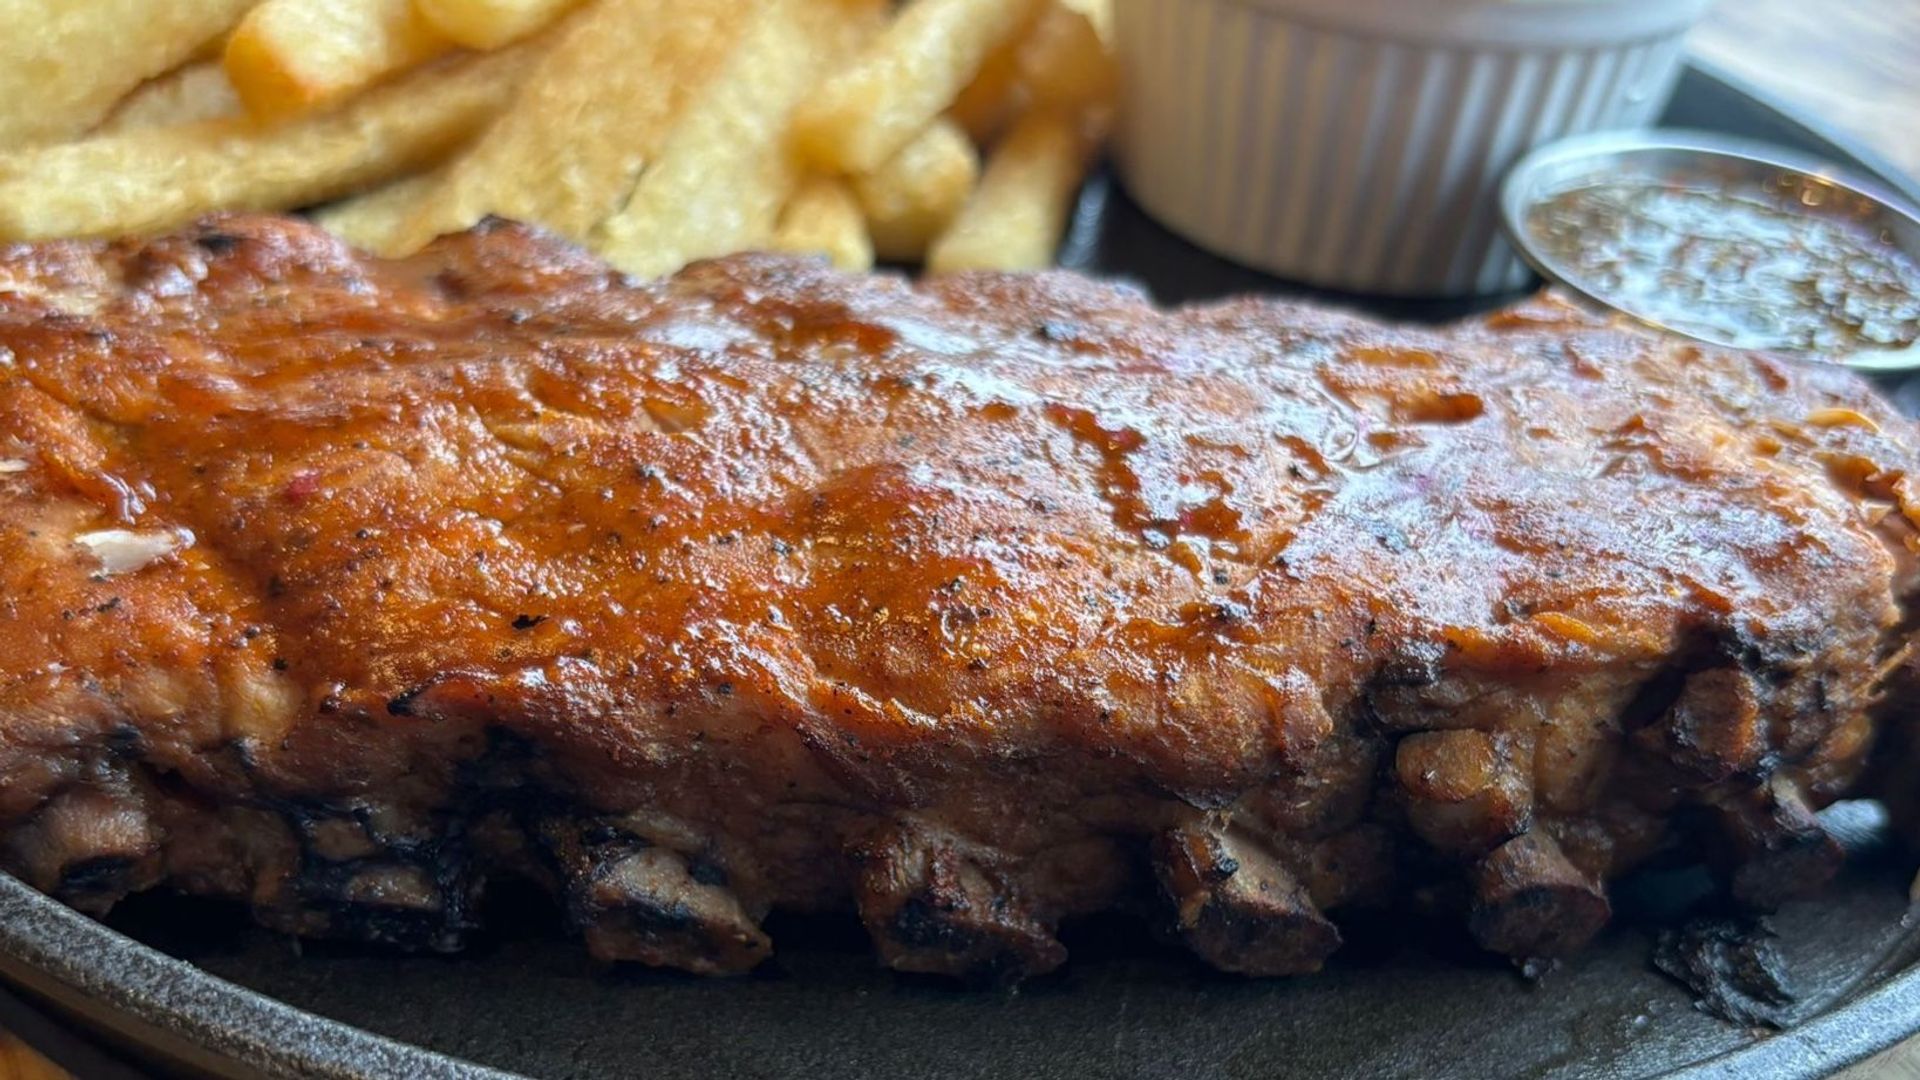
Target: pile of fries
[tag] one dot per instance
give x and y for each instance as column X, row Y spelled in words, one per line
column 654, row 132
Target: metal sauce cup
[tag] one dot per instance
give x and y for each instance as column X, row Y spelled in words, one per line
column 1709, row 161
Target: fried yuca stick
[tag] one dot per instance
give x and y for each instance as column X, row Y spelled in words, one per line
column 152, row 179
column 65, row 63
column 292, row 56
column 1017, row 217
column 915, row 195
column 595, row 108
column 823, row 218
column 726, row 169
column 183, row 96
column 905, row 78
column 489, row 24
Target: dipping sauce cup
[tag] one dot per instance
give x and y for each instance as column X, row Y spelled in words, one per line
column 1358, row 144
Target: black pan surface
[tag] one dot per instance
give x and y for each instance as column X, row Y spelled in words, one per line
column 186, row 987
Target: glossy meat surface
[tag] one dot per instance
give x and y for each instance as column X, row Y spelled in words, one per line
column 343, row 586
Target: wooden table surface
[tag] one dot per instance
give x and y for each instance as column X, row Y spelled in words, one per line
column 1853, row 63
column 18, row 1062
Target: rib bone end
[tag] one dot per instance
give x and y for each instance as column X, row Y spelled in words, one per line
column 1529, row 901
column 1237, row 907
column 637, row 901
column 933, row 907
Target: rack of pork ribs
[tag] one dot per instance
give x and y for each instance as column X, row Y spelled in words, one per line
column 345, row 587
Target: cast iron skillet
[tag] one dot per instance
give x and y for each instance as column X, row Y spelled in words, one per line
column 185, row 986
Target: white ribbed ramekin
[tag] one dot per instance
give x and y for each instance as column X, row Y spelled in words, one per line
column 1358, row 144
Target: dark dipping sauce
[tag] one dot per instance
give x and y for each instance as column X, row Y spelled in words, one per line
column 1762, row 269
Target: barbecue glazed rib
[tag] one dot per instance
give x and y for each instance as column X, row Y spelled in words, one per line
column 343, row 586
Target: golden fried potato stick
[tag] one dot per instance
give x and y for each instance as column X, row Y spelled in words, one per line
column 987, row 103
column 915, row 195
column 1098, row 12
column 1062, row 60
column 184, row 95
column 596, row 107
column 372, row 220
column 1066, row 65
column 910, row 74
column 64, row 64
column 1017, row 217
column 727, row 168
column 151, row 179
column 823, row 218
column 293, row 56
column 489, row 24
